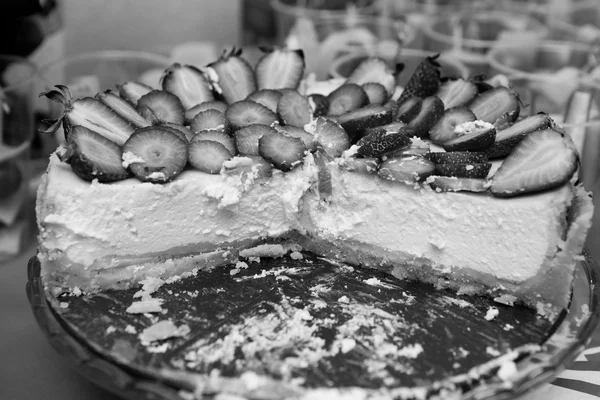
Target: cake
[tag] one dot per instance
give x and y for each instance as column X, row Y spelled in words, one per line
column 440, row 181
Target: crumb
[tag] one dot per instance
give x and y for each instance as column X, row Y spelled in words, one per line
column 162, row 348
column 254, row 259
column 372, row 281
column 146, row 305
column 149, row 286
column 111, row 329
column 492, row 313
column 295, row 255
column 508, row 327
column 506, row 299
column 507, row 370
column 410, row 351
column 234, row 271
column 304, row 315
column 162, row 330
column 130, row 329
column 492, row 352
column 241, row 265
column 347, row 344
column 64, row 304
column 264, row 250
column 344, row 299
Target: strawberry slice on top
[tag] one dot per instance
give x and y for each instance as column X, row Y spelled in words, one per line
column 236, row 76
column 279, row 68
column 93, row 156
column 544, row 159
column 424, row 82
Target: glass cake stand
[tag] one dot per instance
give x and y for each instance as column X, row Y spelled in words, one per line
column 132, row 374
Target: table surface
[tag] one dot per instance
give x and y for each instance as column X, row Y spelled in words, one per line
column 31, row 369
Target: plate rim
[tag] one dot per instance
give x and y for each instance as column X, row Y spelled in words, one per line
column 129, row 381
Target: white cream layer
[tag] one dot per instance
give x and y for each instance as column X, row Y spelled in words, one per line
column 89, row 221
column 506, row 238
column 510, row 239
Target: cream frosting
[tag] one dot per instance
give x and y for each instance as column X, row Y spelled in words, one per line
column 507, row 239
column 107, row 234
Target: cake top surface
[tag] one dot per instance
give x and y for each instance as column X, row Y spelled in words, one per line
column 452, row 134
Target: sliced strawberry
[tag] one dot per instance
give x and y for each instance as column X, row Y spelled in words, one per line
column 283, row 151
column 482, row 83
column 454, row 184
column 267, row 97
column 457, row 157
column 93, row 156
column 467, row 170
column 216, row 136
column 409, row 170
column 444, row 128
column 474, row 136
column 294, row 109
column 246, row 138
column 131, row 91
column 330, row 136
column 188, row 83
column 346, row 98
column 168, row 126
column 408, row 110
column 424, row 82
column 236, row 76
column 417, row 147
column 375, row 92
column 122, row 108
column 456, row 92
column 164, row 106
column 365, row 165
column 209, row 119
column 324, row 186
column 493, row 104
column 507, row 139
column 90, row 113
column 357, row 121
column 155, row 155
column 244, row 166
column 319, row 104
column 431, row 111
column 280, row 68
column 218, row 105
column 543, row 160
column 248, row 112
column 297, row 132
column 379, row 142
column 392, row 105
column 392, row 127
column 208, row 156
column 188, row 134
column 374, row 70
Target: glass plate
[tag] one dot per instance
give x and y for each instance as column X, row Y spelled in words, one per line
column 89, row 331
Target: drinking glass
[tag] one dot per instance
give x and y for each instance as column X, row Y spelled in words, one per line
column 17, row 215
column 554, row 77
column 546, row 75
column 470, row 35
column 411, row 58
column 325, row 35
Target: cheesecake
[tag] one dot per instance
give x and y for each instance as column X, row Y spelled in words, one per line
column 440, row 181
